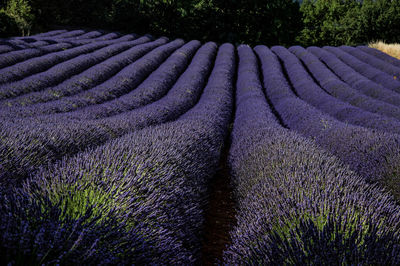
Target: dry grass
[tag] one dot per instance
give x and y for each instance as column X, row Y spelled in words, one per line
column 390, row 49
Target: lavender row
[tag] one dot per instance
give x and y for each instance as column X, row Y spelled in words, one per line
column 38, row 64
column 53, row 46
column 309, row 91
column 18, row 44
column 355, row 79
column 74, row 34
column 50, row 33
column 28, row 43
column 373, row 155
column 81, row 41
column 74, row 66
column 38, row 44
column 339, row 89
column 124, row 81
column 183, row 94
column 68, row 34
column 16, row 56
column 33, row 43
column 21, row 42
column 56, row 36
column 87, row 35
column 7, row 45
column 381, row 55
column 41, row 63
column 88, row 79
column 29, row 144
column 155, row 86
column 154, row 181
column 108, row 36
column 379, row 64
column 366, row 70
column 31, row 224
column 215, row 105
column 296, row 203
column 6, row 48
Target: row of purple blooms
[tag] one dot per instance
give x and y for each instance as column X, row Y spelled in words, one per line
column 328, row 81
column 135, row 189
column 34, row 142
column 298, row 204
column 375, row 74
column 18, row 55
column 342, row 92
column 355, row 79
column 38, row 41
column 137, row 199
column 56, row 70
column 101, row 73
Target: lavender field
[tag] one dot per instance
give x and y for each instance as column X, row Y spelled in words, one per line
column 109, row 144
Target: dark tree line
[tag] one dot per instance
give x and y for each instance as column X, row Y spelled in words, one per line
column 337, row 22
column 270, row 22
column 237, row 21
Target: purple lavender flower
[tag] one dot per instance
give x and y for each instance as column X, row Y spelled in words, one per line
column 366, row 70
column 355, row 79
column 297, row 204
column 381, row 55
column 333, row 85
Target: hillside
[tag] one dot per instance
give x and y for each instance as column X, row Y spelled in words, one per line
column 129, row 149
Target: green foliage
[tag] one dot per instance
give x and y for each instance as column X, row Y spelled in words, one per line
column 328, row 22
column 269, row 22
column 8, row 27
column 19, row 12
column 380, row 20
column 236, row 21
column 351, row 22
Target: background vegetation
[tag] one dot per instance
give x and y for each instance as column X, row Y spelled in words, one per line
column 270, row 22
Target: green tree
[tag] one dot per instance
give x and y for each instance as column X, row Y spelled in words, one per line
column 238, row 21
column 8, row 27
column 351, row 22
column 20, row 12
column 329, row 22
column 380, row 20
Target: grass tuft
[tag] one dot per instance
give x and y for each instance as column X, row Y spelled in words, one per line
column 392, row 49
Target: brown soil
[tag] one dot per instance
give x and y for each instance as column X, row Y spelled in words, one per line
column 219, row 215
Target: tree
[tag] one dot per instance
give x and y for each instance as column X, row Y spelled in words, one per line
column 20, row 12
column 329, row 22
column 380, row 20
column 8, row 27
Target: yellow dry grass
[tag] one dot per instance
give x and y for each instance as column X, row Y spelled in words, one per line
column 392, row 49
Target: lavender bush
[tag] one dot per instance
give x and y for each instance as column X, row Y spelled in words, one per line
column 89, row 78
column 154, row 182
column 373, row 61
column 296, row 203
column 62, row 71
column 5, row 48
column 339, row 89
column 155, row 86
column 373, row 155
column 355, row 79
column 311, row 92
column 366, row 70
column 16, row 56
column 36, row 230
column 41, row 141
column 109, row 144
column 381, row 55
column 42, row 63
column 125, row 80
